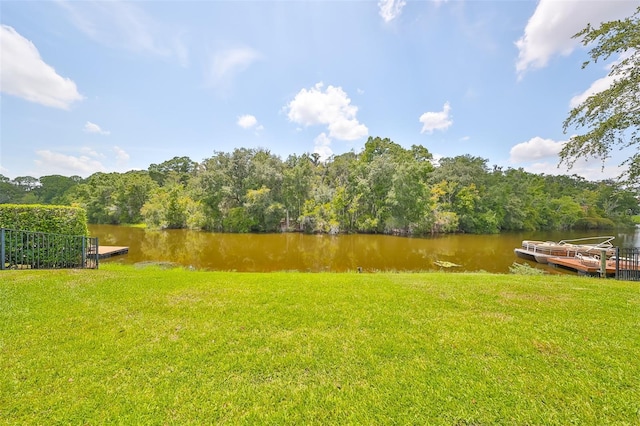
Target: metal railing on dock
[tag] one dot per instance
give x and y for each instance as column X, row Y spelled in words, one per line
column 628, row 263
column 39, row 250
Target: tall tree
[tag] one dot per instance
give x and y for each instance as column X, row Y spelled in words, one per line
column 9, row 191
column 26, row 183
column 183, row 167
column 611, row 116
column 52, row 188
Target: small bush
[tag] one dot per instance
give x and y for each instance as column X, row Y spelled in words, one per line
column 524, row 269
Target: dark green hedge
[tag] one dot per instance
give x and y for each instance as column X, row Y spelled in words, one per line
column 38, row 218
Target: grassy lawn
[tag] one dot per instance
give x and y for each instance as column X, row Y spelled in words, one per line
column 151, row 346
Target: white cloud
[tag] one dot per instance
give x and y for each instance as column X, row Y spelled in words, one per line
column 440, row 120
column 247, row 121
column 83, row 163
column 540, row 155
column 226, row 64
column 90, row 127
column 436, row 159
column 322, row 146
column 50, row 162
column 122, row 156
column 91, row 152
column 551, row 27
column 24, row 74
column 390, row 9
column 331, row 107
column 590, row 170
column 119, row 24
column 535, row 149
column 598, row 85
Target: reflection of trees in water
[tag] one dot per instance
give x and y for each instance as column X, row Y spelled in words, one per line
column 186, row 248
column 300, row 252
column 319, row 253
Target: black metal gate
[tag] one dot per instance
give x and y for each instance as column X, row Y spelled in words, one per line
column 39, row 250
column 628, row 264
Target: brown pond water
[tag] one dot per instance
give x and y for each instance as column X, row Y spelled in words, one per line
column 316, row 253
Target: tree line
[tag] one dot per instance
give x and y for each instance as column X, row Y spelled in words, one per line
column 385, row 188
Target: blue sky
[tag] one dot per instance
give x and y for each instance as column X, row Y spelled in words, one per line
column 114, row 86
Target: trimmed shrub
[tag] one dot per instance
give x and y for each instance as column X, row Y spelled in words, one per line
column 39, row 218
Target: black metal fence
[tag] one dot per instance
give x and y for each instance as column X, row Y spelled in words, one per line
column 39, row 250
column 628, row 264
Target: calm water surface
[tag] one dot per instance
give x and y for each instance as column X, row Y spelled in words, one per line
column 315, row 253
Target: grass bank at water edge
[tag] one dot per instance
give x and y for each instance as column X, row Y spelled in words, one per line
column 151, row 346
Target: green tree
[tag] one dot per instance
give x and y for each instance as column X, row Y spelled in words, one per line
column 298, row 175
column 53, row 188
column 212, row 188
column 170, row 207
column 565, row 212
column 98, row 197
column 611, row 116
column 9, row 192
column 408, row 200
column 460, row 186
column 133, row 190
column 26, row 183
column 183, row 167
column 264, row 212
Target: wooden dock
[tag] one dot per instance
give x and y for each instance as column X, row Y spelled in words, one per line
column 108, row 251
column 592, row 268
column 581, row 267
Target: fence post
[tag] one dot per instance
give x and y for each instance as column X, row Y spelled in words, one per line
column 2, row 252
column 84, row 252
column 618, row 263
column 603, row 264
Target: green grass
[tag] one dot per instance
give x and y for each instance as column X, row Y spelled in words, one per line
column 152, row 346
column 636, row 219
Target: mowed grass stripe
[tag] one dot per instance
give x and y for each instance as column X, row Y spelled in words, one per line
column 149, row 346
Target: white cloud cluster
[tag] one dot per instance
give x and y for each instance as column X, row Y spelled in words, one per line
column 50, row 162
column 226, row 64
column 248, row 121
column 550, row 29
column 91, row 152
column 440, row 120
column 590, row 170
column 322, row 146
column 119, row 24
column 541, row 156
column 122, row 157
column 24, row 74
column 390, row 9
column 331, row 107
column 535, row 149
column 90, row 127
column 83, row 163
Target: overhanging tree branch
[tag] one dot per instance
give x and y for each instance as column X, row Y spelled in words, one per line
column 611, row 117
